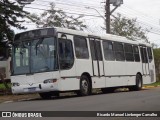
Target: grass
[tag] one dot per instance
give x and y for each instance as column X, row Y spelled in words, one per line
column 154, row 84
column 2, row 86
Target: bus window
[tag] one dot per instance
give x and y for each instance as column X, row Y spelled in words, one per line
column 149, row 54
column 81, row 48
column 21, row 58
column 144, row 55
column 108, row 50
column 96, row 50
column 66, row 58
column 119, row 51
column 128, row 52
column 99, row 52
column 136, row 53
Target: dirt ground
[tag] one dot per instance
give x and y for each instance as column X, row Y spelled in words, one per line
column 8, row 98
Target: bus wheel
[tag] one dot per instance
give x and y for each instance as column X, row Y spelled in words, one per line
column 45, row 95
column 138, row 85
column 84, row 86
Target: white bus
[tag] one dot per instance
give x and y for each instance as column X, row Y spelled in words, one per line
column 53, row 60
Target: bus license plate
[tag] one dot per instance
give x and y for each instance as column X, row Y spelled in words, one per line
column 32, row 89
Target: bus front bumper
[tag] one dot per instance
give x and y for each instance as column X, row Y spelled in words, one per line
column 35, row 88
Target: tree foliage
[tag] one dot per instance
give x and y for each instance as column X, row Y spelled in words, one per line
column 156, row 52
column 11, row 15
column 57, row 18
column 128, row 28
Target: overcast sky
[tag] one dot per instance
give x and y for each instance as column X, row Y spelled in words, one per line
column 147, row 13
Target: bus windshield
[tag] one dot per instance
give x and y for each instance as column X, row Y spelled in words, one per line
column 35, row 56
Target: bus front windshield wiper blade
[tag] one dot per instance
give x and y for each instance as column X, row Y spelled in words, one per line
column 39, row 42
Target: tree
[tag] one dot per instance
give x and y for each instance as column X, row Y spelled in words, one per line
column 57, row 18
column 11, row 15
column 128, row 28
column 156, row 52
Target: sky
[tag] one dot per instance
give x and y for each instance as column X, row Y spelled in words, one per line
column 147, row 13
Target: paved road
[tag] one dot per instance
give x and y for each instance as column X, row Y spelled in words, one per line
column 145, row 100
column 148, row 100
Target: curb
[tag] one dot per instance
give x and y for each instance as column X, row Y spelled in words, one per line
column 151, row 86
column 8, row 102
column 20, row 100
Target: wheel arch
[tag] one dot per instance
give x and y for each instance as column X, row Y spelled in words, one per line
column 89, row 77
column 141, row 78
column 140, row 75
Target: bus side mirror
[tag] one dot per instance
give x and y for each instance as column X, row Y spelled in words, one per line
column 63, row 36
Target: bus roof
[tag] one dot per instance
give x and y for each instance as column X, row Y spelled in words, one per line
column 104, row 37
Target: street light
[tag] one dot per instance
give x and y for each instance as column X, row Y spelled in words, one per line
column 116, row 2
column 97, row 12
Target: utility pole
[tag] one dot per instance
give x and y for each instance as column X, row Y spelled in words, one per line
column 115, row 3
column 107, row 8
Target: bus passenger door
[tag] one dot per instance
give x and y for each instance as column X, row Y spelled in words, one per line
column 66, row 63
column 97, row 60
column 145, row 62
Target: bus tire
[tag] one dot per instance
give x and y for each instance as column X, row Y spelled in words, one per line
column 84, row 86
column 138, row 85
column 45, row 95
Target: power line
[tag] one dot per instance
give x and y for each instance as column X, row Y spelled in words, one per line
column 141, row 13
column 140, row 17
column 70, row 6
column 153, row 28
column 65, row 12
column 81, row 6
column 70, row 3
column 90, row 15
column 154, row 32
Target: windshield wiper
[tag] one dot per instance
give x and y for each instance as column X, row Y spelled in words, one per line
column 39, row 42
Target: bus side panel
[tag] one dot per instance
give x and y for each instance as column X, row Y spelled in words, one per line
column 113, row 68
column 115, row 81
column 132, row 68
column 98, row 82
column 114, row 71
column 83, row 66
column 68, row 79
column 151, row 78
column 67, row 84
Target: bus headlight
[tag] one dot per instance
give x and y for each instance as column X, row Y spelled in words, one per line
column 49, row 81
column 15, row 84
